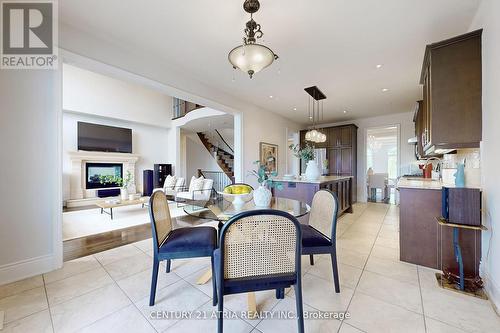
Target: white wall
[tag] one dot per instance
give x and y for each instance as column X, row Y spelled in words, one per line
column 261, row 126
column 88, row 92
column 407, row 152
column 30, row 234
column 487, row 18
column 151, row 143
column 197, row 157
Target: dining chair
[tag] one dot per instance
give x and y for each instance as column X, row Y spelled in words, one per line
column 259, row 250
column 180, row 243
column 319, row 236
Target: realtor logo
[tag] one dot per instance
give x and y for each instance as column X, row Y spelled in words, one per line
column 28, row 35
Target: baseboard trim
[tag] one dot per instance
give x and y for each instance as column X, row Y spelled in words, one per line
column 492, row 290
column 27, row 268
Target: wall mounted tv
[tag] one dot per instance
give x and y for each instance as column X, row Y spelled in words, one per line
column 94, row 137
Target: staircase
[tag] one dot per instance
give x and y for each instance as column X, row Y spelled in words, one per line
column 224, row 159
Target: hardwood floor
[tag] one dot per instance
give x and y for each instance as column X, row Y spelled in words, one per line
column 83, row 246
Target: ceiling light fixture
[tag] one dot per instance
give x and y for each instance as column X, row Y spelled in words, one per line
column 251, row 57
column 270, row 96
column 345, row 111
column 385, row 89
column 294, row 109
column 379, row 66
column 315, row 109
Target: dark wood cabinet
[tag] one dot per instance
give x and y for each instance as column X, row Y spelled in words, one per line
column 419, row 128
column 304, row 191
column 451, row 106
column 341, row 145
column 346, row 161
column 423, row 242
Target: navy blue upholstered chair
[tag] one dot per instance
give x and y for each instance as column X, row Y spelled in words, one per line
column 259, row 250
column 169, row 243
column 319, row 236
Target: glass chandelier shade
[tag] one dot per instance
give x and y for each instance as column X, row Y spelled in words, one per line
column 251, row 58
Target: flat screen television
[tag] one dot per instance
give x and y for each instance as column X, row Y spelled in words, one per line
column 94, row 137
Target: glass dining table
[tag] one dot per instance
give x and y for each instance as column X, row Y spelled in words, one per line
column 218, row 209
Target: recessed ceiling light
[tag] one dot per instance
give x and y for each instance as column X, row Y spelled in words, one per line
column 345, row 111
column 294, row 109
column 310, row 117
column 270, row 96
column 385, row 89
column 379, row 66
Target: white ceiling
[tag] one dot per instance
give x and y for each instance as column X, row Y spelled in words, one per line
column 334, row 44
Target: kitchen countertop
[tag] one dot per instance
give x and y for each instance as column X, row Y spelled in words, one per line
column 322, row 179
column 422, row 183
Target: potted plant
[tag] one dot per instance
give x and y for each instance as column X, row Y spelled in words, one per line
column 262, row 195
column 122, row 183
column 306, row 154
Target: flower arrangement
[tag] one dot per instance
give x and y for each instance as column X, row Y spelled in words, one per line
column 265, row 178
column 306, row 153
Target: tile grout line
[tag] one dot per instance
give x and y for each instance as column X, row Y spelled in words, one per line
column 364, row 266
column 132, row 302
column 421, row 298
column 48, row 304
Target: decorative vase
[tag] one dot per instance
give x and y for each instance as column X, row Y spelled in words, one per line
column 460, row 175
column 124, row 193
column 262, row 197
column 312, row 171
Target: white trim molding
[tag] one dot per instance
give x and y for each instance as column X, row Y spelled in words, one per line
column 492, row 290
column 27, row 268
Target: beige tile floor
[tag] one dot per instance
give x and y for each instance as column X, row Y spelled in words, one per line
column 108, row 292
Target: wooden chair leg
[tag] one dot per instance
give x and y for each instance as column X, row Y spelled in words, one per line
column 214, row 285
column 299, row 307
column 154, row 279
column 335, row 272
column 311, row 259
column 168, row 265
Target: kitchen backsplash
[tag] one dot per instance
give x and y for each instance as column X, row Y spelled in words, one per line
column 472, row 158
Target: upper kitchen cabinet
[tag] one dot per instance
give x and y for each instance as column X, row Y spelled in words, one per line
column 451, row 108
column 340, row 136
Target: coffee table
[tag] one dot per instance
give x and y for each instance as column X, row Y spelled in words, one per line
column 121, row 203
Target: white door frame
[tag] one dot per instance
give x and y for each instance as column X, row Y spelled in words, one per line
column 365, row 160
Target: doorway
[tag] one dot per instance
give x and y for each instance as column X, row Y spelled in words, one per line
column 382, row 162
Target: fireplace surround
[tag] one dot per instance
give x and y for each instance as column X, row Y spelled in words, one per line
column 80, row 194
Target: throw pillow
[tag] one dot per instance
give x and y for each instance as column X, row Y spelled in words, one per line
column 169, row 182
column 196, row 184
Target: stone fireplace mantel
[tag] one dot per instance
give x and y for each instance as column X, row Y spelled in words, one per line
column 80, row 158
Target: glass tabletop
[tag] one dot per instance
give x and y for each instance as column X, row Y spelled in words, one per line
column 221, row 210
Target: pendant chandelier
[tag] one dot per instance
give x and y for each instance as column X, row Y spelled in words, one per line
column 251, row 57
column 315, row 111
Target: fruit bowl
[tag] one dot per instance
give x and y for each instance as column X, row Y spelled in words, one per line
column 238, row 198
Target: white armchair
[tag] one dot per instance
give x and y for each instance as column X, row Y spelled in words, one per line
column 168, row 189
column 199, row 189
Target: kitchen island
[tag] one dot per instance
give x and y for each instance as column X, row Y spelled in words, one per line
column 421, row 240
column 304, row 190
